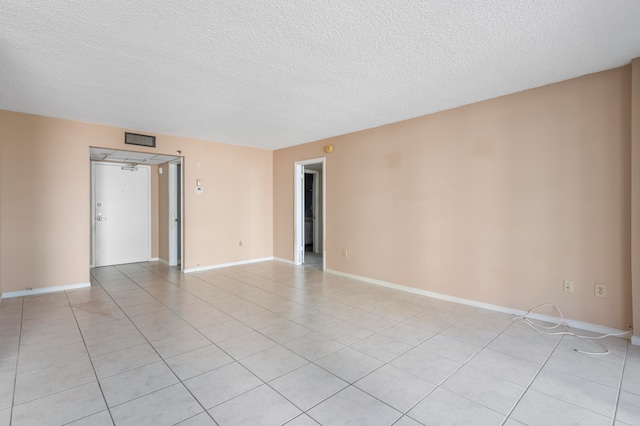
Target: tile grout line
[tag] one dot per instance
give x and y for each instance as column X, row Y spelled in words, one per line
column 457, row 369
column 242, row 280
column 90, row 360
column 153, row 347
column 248, row 325
column 129, row 318
column 349, row 384
column 214, row 343
column 237, row 361
column 53, row 367
column 308, row 361
column 403, row 414
column 264, row 383
column 352, row 384
column 232, row 357
column 624, row 366
column 533, row 379
column 555, row 348
column 15, row 376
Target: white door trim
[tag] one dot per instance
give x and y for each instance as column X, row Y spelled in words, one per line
column 174, row 241
column 298, row 220
column 92, row 218
column 173, row 215
column 93, row 206
column 298, row 233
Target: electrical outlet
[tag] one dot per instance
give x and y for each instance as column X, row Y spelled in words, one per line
column 344, row 253
column 600, row 290
column 568, row 286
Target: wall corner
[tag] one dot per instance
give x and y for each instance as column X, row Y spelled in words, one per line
column 635, row 197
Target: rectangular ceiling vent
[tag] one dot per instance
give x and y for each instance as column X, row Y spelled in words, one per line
column 141, row 140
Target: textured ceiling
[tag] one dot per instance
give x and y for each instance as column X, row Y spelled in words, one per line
column 278, row 73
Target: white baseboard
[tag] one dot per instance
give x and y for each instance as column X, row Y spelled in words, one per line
column 635, row 340
column 43, row 290
column 280, row 259
column 166, row 262
column 154, row 259
column 572, row 323
column 226, row 265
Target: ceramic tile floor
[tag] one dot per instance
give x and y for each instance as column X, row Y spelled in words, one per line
column 272, row 344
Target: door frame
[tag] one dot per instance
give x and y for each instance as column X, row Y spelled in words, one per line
column 93, row 206
column 298, row 210
column 173, row 213
column 316, row 200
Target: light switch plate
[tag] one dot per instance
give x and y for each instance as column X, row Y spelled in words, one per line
column 568, row 286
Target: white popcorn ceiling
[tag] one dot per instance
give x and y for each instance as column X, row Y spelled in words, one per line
column 277, row 73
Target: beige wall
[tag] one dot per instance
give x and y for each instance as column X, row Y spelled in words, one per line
column 635, row 195
column 496, row 202
column 45, row 190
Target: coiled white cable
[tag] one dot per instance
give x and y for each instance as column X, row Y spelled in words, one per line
column 564, row 329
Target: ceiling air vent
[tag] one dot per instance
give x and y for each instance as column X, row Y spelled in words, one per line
column 141, row 140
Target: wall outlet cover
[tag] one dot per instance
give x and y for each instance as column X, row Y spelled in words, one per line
column 600, row 290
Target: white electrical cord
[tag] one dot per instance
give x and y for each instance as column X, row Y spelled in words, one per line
column 564, row 329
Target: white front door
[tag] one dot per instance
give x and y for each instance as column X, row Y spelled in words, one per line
column 121, row 213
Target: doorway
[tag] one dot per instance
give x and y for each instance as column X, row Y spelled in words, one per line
column 310, row 213
column 167, row 208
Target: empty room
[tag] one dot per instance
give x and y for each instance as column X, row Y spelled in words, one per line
column 320, row 213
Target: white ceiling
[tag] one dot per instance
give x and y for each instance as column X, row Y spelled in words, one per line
column 277, row 73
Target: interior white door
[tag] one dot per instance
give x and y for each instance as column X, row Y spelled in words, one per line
column 121, row 214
